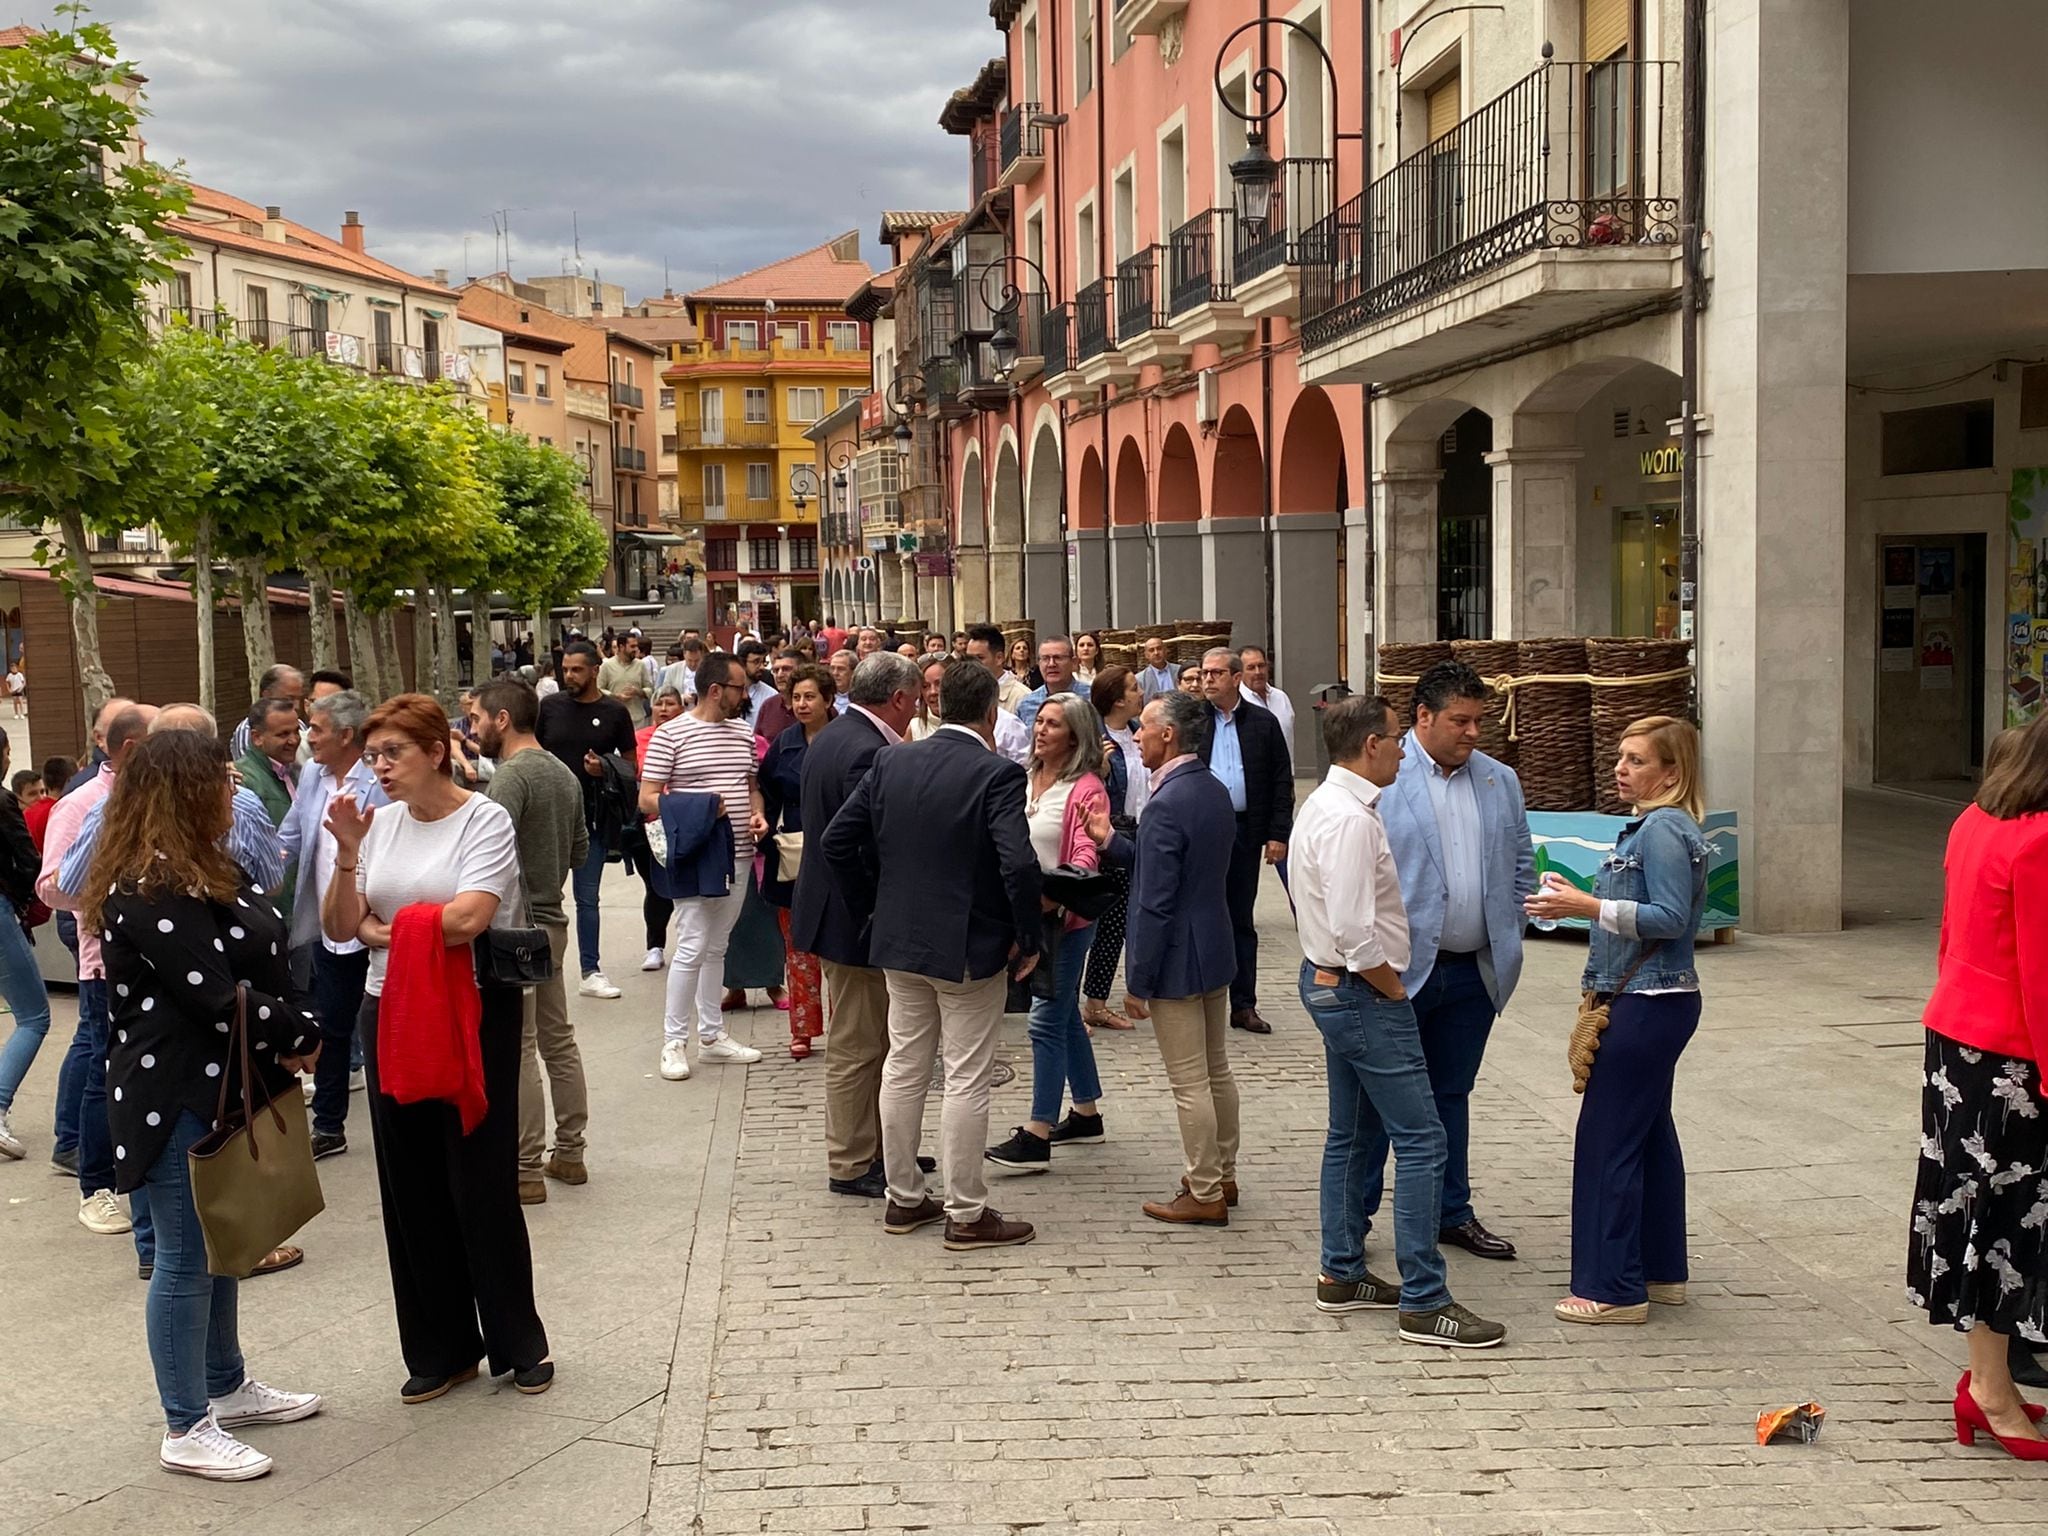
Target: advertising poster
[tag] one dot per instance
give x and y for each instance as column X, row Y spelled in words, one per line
column 2026, row 660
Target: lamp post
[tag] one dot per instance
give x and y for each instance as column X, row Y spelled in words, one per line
column 1003, row 342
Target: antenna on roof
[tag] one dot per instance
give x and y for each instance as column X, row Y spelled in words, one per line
column 576, row 239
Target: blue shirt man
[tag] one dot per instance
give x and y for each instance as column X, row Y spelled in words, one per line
column 1056, row 666
column 1226, row 757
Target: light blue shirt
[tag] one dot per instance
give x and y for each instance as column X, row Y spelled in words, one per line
column 1032, row 702
column 1458, row 824
column 1226, row 757
column 252, row 843
column 1157, row 680
column 305, row 827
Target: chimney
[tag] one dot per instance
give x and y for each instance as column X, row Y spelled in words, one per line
column 441, row 277
column 273, row 224
column 352, row 230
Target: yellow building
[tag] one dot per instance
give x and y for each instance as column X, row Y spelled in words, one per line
column 776, row 352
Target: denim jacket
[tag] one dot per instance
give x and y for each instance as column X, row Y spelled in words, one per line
column 1658, row 874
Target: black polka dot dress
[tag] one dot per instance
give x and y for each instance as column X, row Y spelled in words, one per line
column 173, row 964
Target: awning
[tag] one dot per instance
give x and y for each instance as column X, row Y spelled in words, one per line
column 327, row 294
column 434, row 314
column 649, row 540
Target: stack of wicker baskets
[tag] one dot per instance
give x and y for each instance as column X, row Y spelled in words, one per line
column 1020, row 629
column 1616, row 708
column 1492, row 659
column 1554, row 727
column 1399, row 659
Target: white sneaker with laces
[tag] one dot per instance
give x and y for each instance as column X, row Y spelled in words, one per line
column 306, row 1086
column 725, row 1048
column 358, row 1079
column 653, row 961
column 206, row 1450
column 675, row 1061
column 11, row 1145
column 254, row 1403
column 596, row 985
column 101, row 1212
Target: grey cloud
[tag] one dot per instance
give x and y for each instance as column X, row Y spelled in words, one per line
column 713, row 134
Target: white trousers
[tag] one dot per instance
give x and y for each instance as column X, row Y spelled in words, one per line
column 696, row 975
column 966, row 1016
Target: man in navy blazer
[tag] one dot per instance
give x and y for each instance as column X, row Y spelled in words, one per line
column 882, row 698
column 1180, row 953
column 934, row 851
column 1460, row 839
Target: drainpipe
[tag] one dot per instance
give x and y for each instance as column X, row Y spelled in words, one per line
column 1366, row 446
column 1105, row 235
column 1059, row 273
column 1691, row 86
column 1267, row 456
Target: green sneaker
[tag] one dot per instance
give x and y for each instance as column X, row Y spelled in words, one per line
column 1453, row 1327
column 1372, row 1294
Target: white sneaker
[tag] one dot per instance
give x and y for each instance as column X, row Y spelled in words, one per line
column 595, row 985
column 254, row 1403
column 207, row 1450
column 101, row 1212
column 725, row 1048
column 11, row 1145
column 306, row 1084
column 675, row 1061
column 653, row 961
column 358, row 1080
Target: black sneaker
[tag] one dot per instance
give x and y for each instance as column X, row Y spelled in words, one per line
column 1023, row 1151
column 1452, row 1326
column 1372, row 1294
column 1077, row 1129
column 326, row 1145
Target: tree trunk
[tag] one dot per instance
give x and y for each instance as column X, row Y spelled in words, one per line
column 480, row 634
column 83, row 597
column 203, row 608
column 259, row 641
column 391, row 658
column 364, row 665
column 447, row 651
column 320, row 617
column 426, row 661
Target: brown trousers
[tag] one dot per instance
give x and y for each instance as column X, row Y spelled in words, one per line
column 855, row 1048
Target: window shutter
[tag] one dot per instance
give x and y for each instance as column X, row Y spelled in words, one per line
column 1441, row 104
column 1605, row 28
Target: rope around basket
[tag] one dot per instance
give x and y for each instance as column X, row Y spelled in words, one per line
column 1507, row 683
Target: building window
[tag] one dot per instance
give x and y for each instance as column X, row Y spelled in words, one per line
column 547, row 442
column 745, row 334
column 806, row 403
column 541, row 385
column 1464, row 541
column 764, row 554
column 1123, row 208
column 316, row 316
column 722, row 554
column 259, row 314
column 1086, row 252
column 667, row 399
column 515, row 378
column 757, row 406
column 668, row 442
column 714, row 490
column 1084, row 48
column 1173, row 182
column 845, row 335
column 1027, row 51
column 760, row 482
column 181, row 293
column 848, row 393
column 803, row 552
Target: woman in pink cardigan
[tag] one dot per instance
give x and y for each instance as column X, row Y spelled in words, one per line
column 1066, row 787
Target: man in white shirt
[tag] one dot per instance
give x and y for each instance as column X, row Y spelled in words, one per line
column 1258, row 687
column 1354, row 940
column 985, row 645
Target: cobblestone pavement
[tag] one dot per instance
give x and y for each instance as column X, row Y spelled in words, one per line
column 743, row 1352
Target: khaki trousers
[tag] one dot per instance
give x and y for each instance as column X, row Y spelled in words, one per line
column 547, row 1037
column 925, row 1015
column 1192, row 1034
column 854, row 1049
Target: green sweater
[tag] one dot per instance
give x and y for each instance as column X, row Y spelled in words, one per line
column 546, row 805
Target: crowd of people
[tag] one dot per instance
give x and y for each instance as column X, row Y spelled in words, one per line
column 899, row 845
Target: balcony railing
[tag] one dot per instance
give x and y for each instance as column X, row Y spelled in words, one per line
column 696, row 509
column 1027, row 322
column 634, row 459
column 1091, row 321
column 629, row 395
column 1302, row 197
column 939, row 327
column 984, row 145
column 1198, row 261
column 730, row 434
column 1140, row 295
column 1053, row 339
column 1022, row 138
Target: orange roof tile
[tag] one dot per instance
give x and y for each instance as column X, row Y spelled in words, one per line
column 821, row 274
column 300, row 243
column 656, row 331
column 586, row 359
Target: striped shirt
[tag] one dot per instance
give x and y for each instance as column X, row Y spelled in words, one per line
column 716, row 755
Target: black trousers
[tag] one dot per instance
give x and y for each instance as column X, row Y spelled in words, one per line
column 461, row 1271
column 337, row 1000
column 1241, row 894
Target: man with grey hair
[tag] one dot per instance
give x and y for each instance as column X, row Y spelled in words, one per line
column 881, row 698
column 1248, row 752
column 333, row 972
column 1056, row 666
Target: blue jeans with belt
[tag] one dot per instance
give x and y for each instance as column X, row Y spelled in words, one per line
column 194, row 1344
column 1061, row 1053
column 21, row 984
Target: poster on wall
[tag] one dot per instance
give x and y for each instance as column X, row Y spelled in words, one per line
column 1901, row 576
column 1937, row 659
column 2026, row 660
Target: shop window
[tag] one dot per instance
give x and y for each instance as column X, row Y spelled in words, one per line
column 722, row 554
column 1464, row 539
column 2034, row 397
column 1937, row 439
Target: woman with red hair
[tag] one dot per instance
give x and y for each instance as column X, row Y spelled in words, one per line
column 461, row 1270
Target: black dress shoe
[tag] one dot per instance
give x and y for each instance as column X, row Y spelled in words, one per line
column 925, row 1164
column 2027, row 1368
column 1248, row 1020
column 1474, row 1238
column 869, row 1186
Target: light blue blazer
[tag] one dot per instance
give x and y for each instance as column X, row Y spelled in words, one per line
column 1510, row 868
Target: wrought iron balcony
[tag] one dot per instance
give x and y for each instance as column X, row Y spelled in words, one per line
column 696, row 509
column 1022, row 142
column 1140, row 296
column 728, row 434
column 984, row 144
column 634, row 459
column 1198, row 261
column 1092, row 320
column 1054, row 339
column 1302, row 196
column 1571, row 158
column 629, row 395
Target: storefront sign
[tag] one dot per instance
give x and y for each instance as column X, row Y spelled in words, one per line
column 764, row 592
column 1664, row 462
column 934, row 565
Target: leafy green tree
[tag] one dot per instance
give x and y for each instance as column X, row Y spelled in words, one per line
column 553, row 547
column 83, row 235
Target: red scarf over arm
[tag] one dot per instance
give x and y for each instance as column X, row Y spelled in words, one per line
column 429, row 1018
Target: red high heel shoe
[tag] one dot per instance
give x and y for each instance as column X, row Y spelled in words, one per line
column 1970, row 1419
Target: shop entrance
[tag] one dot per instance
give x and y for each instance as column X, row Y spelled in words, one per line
column 1930, row 663
column 1646, row 571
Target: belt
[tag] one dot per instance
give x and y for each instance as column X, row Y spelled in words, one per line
column 1468, row 956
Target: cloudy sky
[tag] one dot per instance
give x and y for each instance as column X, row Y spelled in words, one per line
column 711, row 134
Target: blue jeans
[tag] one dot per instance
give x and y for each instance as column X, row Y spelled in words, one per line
column 95, row 1137
column 584, row 883
column 1061, row 1053
column 1454, row 1015
column 1379, row 1092
column 193, row 1341
column 337, row 999
column 21, row 984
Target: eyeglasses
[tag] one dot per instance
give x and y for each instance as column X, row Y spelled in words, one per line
column 392, row 755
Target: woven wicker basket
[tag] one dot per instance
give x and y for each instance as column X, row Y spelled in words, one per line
column 1146, row 632
column 1492, row 659
column 1554, row 727
column 1121, row 656
column 1407, row 659
column 1615, row 709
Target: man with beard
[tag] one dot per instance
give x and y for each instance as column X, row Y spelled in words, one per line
column 585, row 731
column 546, row 805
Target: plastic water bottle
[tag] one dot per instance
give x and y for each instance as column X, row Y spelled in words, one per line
column 1546, row 924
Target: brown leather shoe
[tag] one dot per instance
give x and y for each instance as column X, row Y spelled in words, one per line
column 1229, row 1190
column 1248, row 1020
column 899, row 1219
column 989, row 1230
column 533, row 1192
column 566, row 1173
column 1185, row 1210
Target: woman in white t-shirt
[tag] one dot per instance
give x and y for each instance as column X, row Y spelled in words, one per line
column 461, row 1271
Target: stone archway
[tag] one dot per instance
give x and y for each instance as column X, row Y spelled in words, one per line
column 1234, row 548
column 1045, row 555
column 1006, row 536
column 1090, row 598
column 1176, row 528
column 1130, row 538
column 1407, row 528
column 970, row 583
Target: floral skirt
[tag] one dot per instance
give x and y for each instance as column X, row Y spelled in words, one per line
column 1979, row 1249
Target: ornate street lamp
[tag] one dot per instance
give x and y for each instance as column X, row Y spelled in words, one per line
column 898, row 400
column 1003, row 342
column 1252, row 176
column 803, row 484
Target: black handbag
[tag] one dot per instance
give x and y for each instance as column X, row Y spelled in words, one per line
column 1087, row 893
column 513, row 957
column 1042, row 984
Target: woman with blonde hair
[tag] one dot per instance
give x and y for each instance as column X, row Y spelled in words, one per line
column 926, row 720
column 1628, row 1173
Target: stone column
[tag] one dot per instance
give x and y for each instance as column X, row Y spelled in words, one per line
column 1306, row 651
column 1536, row 531
column 1772, row 524
column 1179, row 577
column 1041, row 601
column 1359, row 619
column 971, row 586
column 1131, row 573
column 1005, row 590
column 1404, row 571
